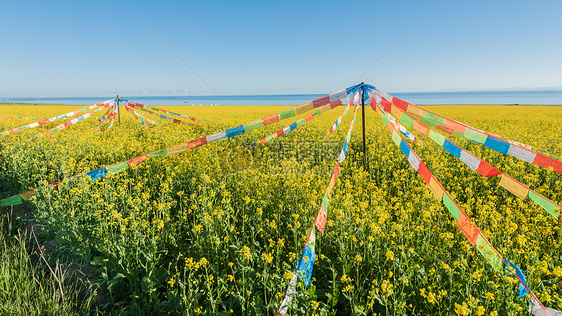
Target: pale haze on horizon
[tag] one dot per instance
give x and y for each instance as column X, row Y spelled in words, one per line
column 74, row 48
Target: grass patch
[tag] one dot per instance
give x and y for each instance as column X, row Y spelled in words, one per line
column 27, row 286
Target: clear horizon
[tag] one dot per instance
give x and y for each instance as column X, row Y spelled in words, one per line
column 527, row 97
column 546, row 89
column 75, row 49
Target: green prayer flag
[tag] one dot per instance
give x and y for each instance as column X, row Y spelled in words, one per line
column 475, row 136
column 14, row 200
column 396, row 138
column 406, row 120
column 118, row 167
column 384, row 120
column 438, row 138
column 489, row 253
column 437, row 120
column 253, row 125
column 312, row 239
column 453, row 209
column 325, row 202
column 427, row 122
column 459, row 135
column 163, row 152
column 287, row 114
column 550, row 207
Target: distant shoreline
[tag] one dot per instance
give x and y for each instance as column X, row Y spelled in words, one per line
column 532, row 97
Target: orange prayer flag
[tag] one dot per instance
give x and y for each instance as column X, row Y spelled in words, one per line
column 137, row 160
column 513, row 186
column 436, row 188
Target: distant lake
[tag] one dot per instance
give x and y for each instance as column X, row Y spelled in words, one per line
column 549, row 97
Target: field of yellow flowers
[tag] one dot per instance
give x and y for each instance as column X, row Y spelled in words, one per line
column 218, row 230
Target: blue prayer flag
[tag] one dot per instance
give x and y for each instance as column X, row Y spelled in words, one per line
column 235, row 131
column 452, row 148
column 306, row 264
column 98, row 173
column 521, row 291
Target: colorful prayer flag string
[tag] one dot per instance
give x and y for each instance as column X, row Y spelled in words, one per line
column 340, row 118
column 463, row 222
column 54, row 118
column 152, row 110
column 106, row 114
column 306, row 263
column 107, row 118
column 473, row 162
column 77, row 119
column 331, row 100
column 140, row 118
column 452, row 127
column 287, row 129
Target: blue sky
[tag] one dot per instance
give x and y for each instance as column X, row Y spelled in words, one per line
column 101, row 48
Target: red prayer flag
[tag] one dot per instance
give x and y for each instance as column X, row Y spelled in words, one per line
column 424, row 172
column 320, row 221
column 335, row 103
column 322, row 101
column 385, row 104
column 545, row 162
column 198, row 142
column 468, row 228
column 373, row 104
column 400, row 103
column 487, row 170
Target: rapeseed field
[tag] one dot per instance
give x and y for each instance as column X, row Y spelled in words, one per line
column 219, row 229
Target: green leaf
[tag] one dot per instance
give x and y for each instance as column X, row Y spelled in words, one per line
column 147, row 284
column 98, row 260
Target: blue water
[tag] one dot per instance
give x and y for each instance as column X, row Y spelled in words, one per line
column 293, row 99
column 550, row 97
column 547, row 97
